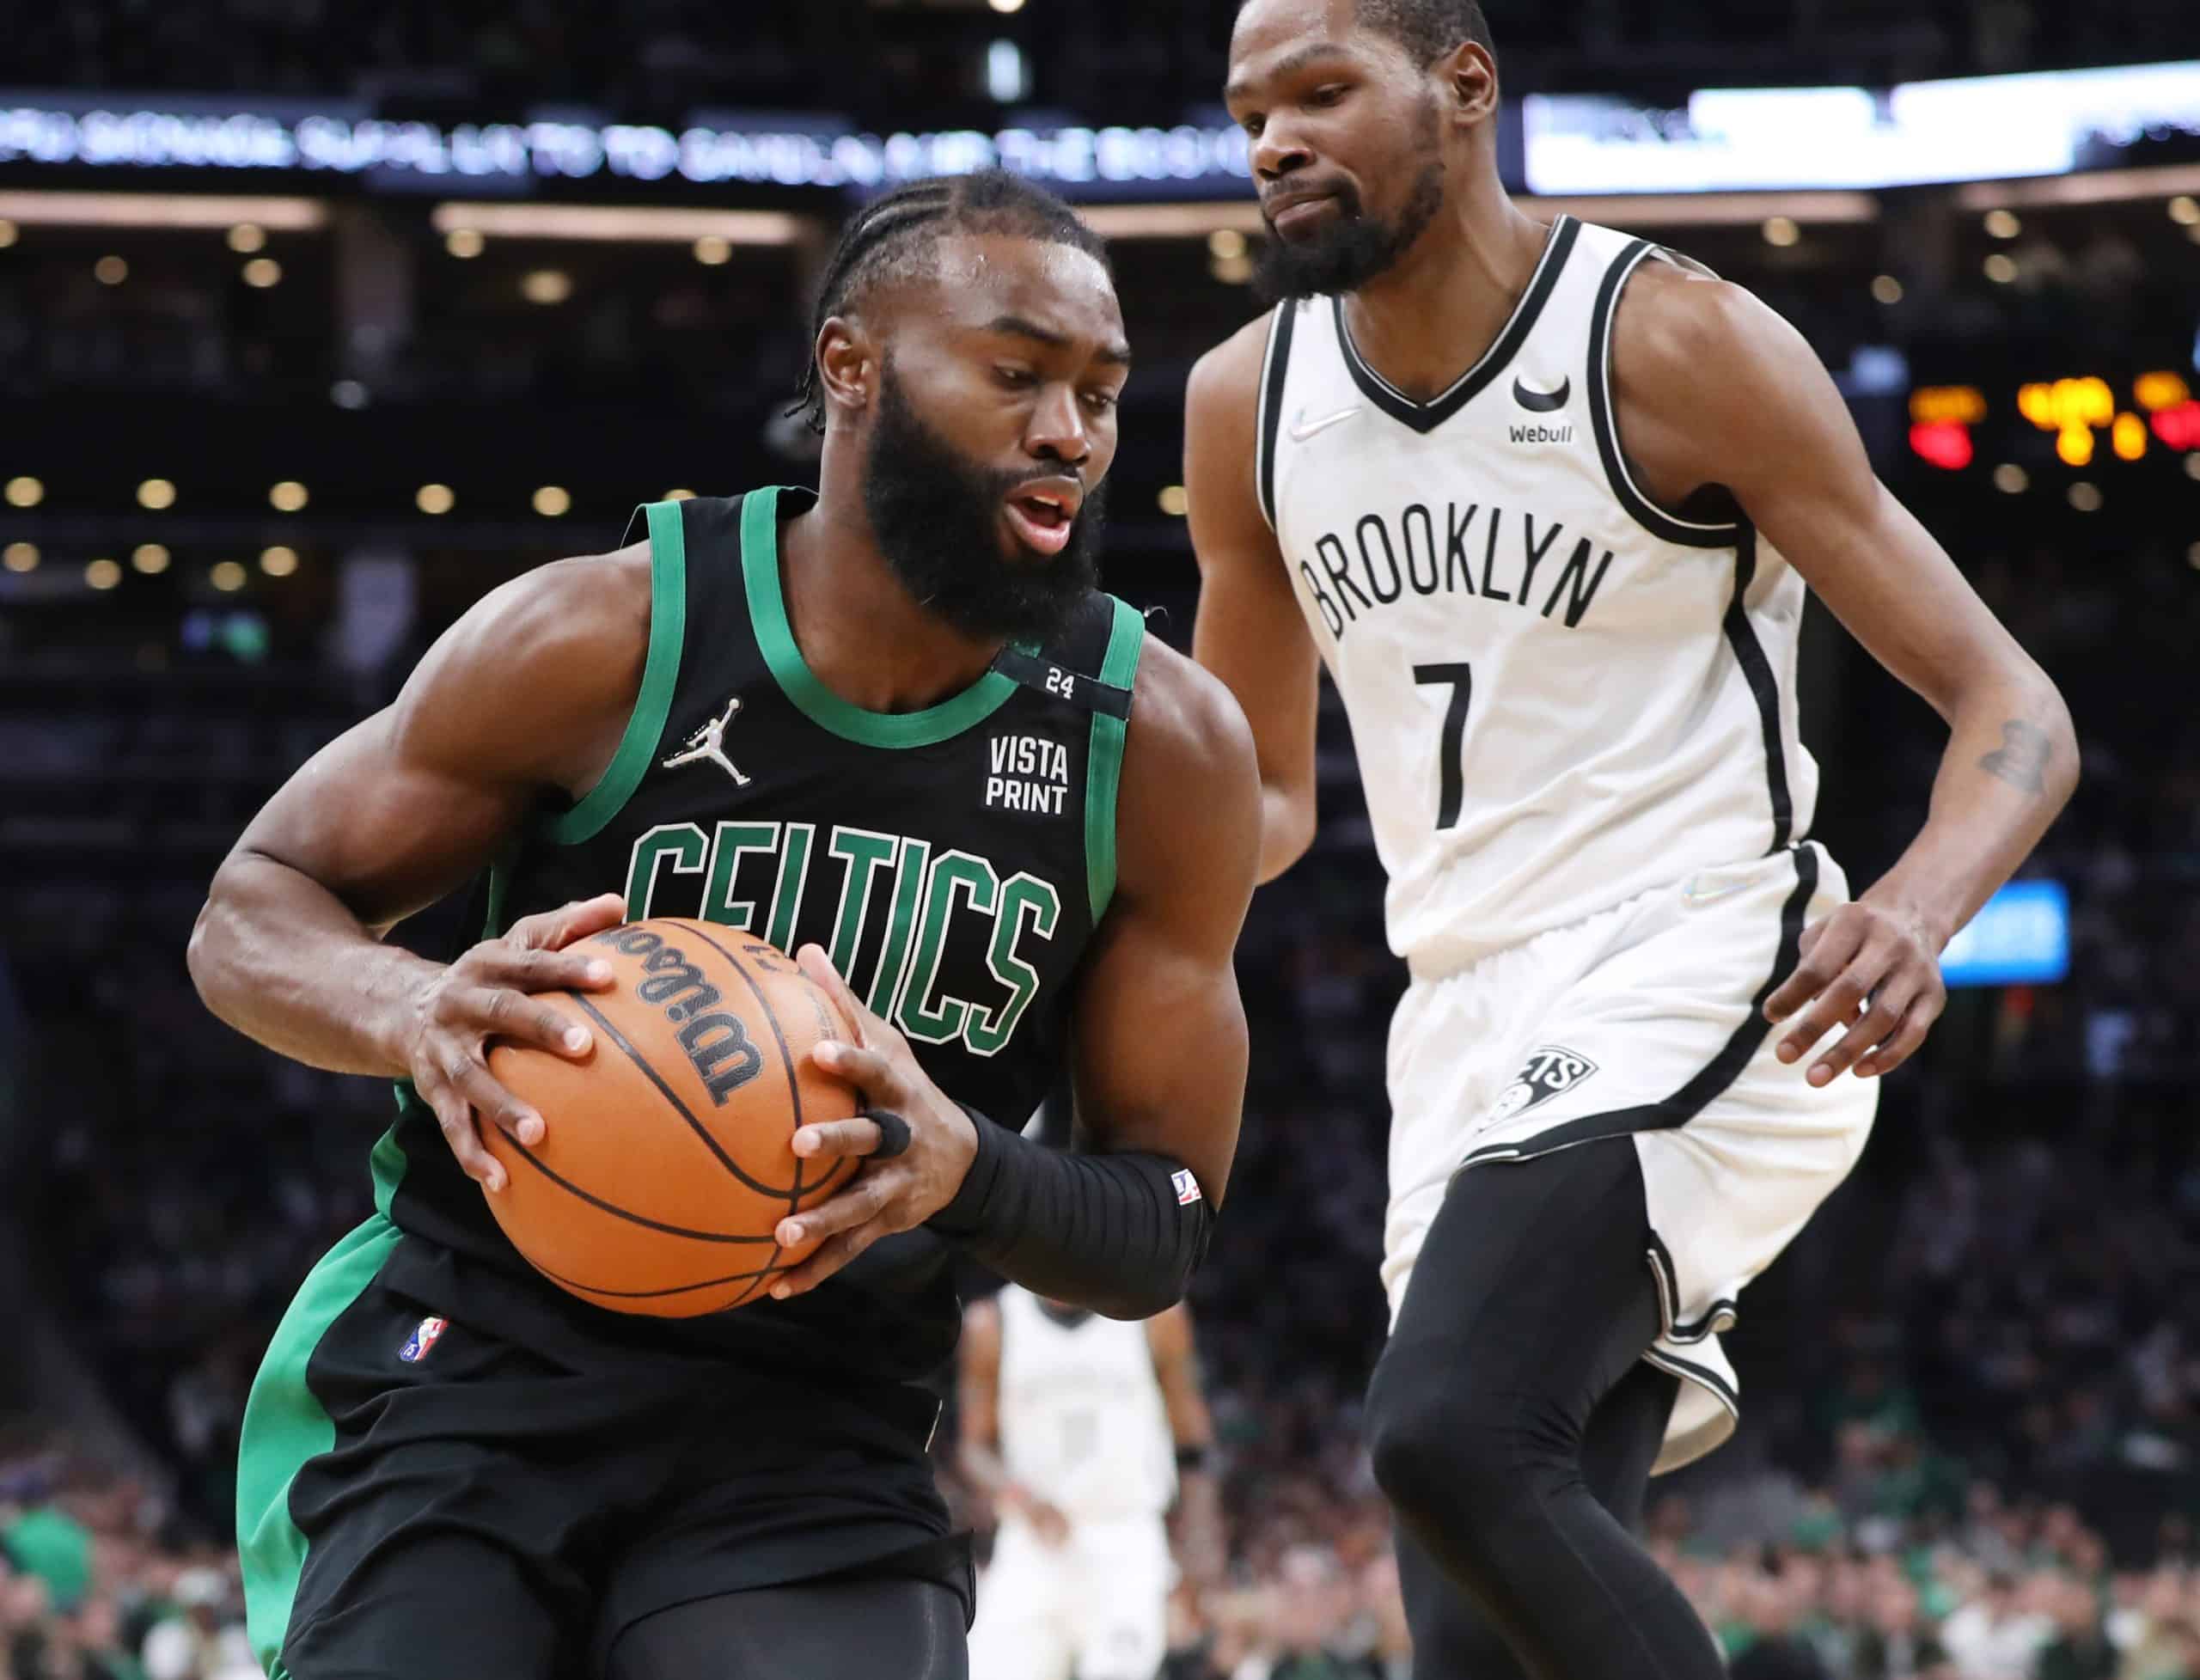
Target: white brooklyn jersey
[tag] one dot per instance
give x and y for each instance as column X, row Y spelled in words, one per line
column 1562, row 695
column 1082, row 1420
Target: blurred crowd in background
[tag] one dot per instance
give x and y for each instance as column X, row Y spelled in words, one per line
column 1972, row 1437
column 1970, row 1443
column 100, row 1579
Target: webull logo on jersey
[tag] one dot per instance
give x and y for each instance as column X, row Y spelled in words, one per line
column 1541, row 402
column 1029, row 773
column 1498, row 553
column 1551, row 1071
column 1539, row 434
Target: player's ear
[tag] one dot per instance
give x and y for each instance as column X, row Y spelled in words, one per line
column 848, row 365
column 1470, row 74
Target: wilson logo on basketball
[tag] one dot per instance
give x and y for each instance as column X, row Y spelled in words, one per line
column 715, row 1042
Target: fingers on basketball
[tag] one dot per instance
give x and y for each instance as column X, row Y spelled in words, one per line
column 455, row 1119
column 553, row 929
column 857, row 1020
column 667, row 1164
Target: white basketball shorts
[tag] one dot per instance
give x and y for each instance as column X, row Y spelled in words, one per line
column 1644, row 1021
column 1097, row 1607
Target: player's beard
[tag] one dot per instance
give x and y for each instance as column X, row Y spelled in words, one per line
column 1355, row 247
column 937, row 515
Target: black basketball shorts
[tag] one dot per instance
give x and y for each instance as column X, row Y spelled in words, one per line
column 422, row 1498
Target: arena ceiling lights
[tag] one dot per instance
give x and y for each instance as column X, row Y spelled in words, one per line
column 1624, row 211
column 646, row 224
column 2100, row 187
column 624, row 223
column 1708, row 210
column 1193, row 220
column 159, row 209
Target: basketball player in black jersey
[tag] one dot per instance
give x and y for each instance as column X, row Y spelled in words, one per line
column 891, row 723
column 1519, row 1406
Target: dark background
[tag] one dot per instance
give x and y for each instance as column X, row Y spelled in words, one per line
column 1985, row 1355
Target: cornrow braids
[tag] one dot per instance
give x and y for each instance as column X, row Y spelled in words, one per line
column 892, row 238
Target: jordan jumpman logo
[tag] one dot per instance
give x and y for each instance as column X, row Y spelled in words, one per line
column 709, row 742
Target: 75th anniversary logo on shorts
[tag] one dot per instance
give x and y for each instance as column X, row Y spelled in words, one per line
column 1551, row 1069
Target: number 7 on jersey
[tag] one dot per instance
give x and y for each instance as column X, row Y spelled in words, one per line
column 1451, row 773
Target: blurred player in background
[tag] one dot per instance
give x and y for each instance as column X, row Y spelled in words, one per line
column 1080, row 1430
column 1545, row 500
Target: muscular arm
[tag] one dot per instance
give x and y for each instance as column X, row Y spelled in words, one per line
column 1712, row 387
column 526, row 695
column 1249, row 632
column 1161, row 1052
column 1160, row 1031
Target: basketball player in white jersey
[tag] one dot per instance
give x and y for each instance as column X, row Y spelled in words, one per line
column 1545, row 500
column 1077, row 1426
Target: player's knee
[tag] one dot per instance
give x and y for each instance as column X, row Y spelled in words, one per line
column 1442, row 1444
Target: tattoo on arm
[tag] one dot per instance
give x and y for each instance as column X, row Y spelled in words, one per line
column 2021, row 759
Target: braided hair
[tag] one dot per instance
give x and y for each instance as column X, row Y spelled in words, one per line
column 892, row 239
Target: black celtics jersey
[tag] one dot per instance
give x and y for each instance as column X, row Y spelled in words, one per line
column 954, row 863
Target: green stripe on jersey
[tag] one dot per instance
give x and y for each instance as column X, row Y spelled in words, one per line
column 1103, row 759
column 285, row 1426
column 767, row 614
column 660, row 676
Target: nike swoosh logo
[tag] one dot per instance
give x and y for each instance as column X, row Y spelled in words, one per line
column 1542, row 402
column 1302, row 428
column 1703, row 890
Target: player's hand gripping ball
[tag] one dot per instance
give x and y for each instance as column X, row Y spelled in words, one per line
column 665, row 1167
column 918, row 1143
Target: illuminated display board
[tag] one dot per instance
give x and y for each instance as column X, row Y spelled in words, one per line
column 1914, row 134
column 2085, row 414
column 757, row 150
column 1720, row 139
column 2022, row 936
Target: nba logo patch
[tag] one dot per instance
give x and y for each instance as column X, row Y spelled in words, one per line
column 1187, row 1187
column 425, row 1336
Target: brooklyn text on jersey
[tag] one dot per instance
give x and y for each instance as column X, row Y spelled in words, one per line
column 1454, row 548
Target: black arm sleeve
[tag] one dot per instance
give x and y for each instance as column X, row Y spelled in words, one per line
column 1115, row 1233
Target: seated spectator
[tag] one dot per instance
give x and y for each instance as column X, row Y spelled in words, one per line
column 1999, row 1632
column 1897, row 1645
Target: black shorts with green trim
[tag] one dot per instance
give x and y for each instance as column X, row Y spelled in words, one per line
column 419, row 1496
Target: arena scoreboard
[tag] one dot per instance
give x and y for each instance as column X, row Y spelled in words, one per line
column 2086, row 414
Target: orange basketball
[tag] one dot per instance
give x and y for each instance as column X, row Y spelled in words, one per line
column 665, row 1163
